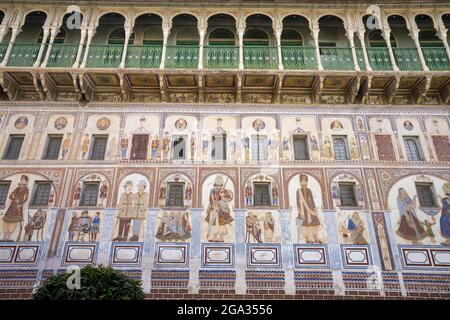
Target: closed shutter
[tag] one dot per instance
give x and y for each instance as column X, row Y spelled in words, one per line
column 425, row 195
column 385, row 147
column 412, row 147
column 219, row 147
column 4, row 189
column 300, row 148
column 53, row 147
column 262, row 194
column 139, row 147
column 175, row 198
column 259, row 148
column 89, row 195
column 14, row 147
column 98, row 147
column 340, row 148
column 442, row 147
column 42, row 193
column 347, row 194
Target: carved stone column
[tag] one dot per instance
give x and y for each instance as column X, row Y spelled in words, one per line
column 241, row 32
column 201, row 32
column 386, row 33
column 80, row 47
column 90, row 35
column 414, row 34
column 442, row 34
column 315, row 34
column 350, row 34
column 364, row 48
column 14, row 33
column 166, row 31
column 278, row 33
column 41, row 49
column 128, row 32
column 53, row 34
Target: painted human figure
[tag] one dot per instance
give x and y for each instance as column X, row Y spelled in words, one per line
column 248, row 193
column 205, row 145
column 274, row 195
column 354, row 149
column 445, row 215
column 14, row 214
column 95, row 227
column 328, row 148
column 140, row 208
column 193, row 143
column 364, row 147
column 85, row 146
column 285, row 148
column 66, row 145
column 162, row 195
column 253, row 228
column 72, row 226
column 154, row 147
column 77, row 194
column 269, row 227
column 314, row 147
column 124, row 146
column 188, row 195
column 125, row 214
column 409, row 226
column 307, row 220
column 83, row 225
column 35, row 223
column 103, row 193
column 353, row 230
column 166, row 145
column 218, row 213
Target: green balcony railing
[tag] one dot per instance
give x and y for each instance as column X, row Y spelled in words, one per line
column 379, row 59
column 407, row 59
column 221, row 57
column 3, row 48
column 436, row 59
column 182, row 56
column 104, row 56
column 299, row 58
column 260, row 57
column 62, row 55
column 336, row 58
column 144, row 56
column 360, row 58
column 23, row 55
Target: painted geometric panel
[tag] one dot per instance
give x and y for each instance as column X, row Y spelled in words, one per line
column 22, row 253
column 80, row 253
column 441, row 258
column 263, row 255
column 425, row 257
column 172, row 255
column 356, row 256
column 126, row 254
column 217, row 255
column 311, row 256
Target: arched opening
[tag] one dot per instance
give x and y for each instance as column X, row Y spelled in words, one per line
column 260, row 50
column 431, row 45
column 65, row 46
column 27, row 44
column 221, row 51
column 106, row 48
column 147, row 51
column 183, row 53
column 334, row 51
column 446, row 21
column 406, row 55
column 293, row 50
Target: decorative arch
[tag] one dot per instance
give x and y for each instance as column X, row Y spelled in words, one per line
column 89, row 177
column 119, row 12
column 400, row 15
column 337, row 15
column 147, row 12
column 195, row 15
column 296, row 14
column 232, row 15
column 432, row 18
column 24, row 18
column 226, row 176
column 361, row 196
column 268, row 15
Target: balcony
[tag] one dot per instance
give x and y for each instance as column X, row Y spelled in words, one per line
column 337, row 58
column 379, row 59
column 62, row 55
column 3, row 48
column 104, row 56
column 221, row 57
column 143, row 56
column 23, row 55
column 407, row 59
column 436, row 59
column 260, row 57
column 182, row 57
column 299, row 58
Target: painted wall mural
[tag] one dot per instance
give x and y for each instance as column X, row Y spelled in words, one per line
column 262, row 227
column 352, row 227
column 84, row 225
column 132, row 208
column 305, row 199
column 218, row 223
column 415, row 224
column 173, row 226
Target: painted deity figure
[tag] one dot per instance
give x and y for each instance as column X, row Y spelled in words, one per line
column 14, row 213
column 353, row 230
column 409, row 226
column 307, row 220
column 445, row 215
column 125, row 214
column 218, row 213
column 140, row 207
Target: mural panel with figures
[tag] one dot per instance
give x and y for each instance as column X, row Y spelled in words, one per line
column 24, row 217
column 218, row 223
column 305, row 198
column 418, row 220
column 173, row 226
column 352, row 227
column 262, row 227
column 132, row 208
column 84, row 225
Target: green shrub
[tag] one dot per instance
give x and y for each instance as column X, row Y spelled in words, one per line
column 96, row 283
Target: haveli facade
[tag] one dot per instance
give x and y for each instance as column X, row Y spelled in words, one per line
column 280, row 151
